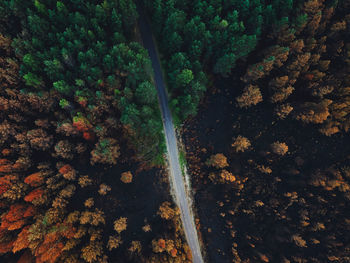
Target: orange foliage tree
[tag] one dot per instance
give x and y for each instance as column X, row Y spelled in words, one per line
column 22, row 240
column 34, row 195
column 5, row 182
column 68, row 172
column 166, row 212
column 35, row 179
column 14, row 218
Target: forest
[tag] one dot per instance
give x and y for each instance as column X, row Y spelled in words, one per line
column 260, row 96
column 272, row 160
column 81, row 137
column 200, row 38
column 86, row 53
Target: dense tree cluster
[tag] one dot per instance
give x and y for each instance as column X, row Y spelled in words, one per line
column 169, row 249
column 52, row 152
column 35, row 192
column 82, row 50
column 307, row 69
column 199, row 36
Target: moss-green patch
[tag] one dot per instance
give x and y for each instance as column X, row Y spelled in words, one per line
column 159, row 158
column 182, row 160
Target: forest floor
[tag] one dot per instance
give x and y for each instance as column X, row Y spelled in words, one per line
column 212, row 131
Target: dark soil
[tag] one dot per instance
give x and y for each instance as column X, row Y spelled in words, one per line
column 212, row 131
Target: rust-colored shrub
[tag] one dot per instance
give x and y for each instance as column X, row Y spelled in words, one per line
column 241, row 144
column 279, row 148
column 120, row 224
column 218, row 160
column 166, row 212
column 251, row 96
column 126, row 177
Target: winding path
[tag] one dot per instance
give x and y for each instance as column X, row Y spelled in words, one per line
column 177, row 180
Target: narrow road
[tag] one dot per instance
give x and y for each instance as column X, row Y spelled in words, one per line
column 177, row 180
